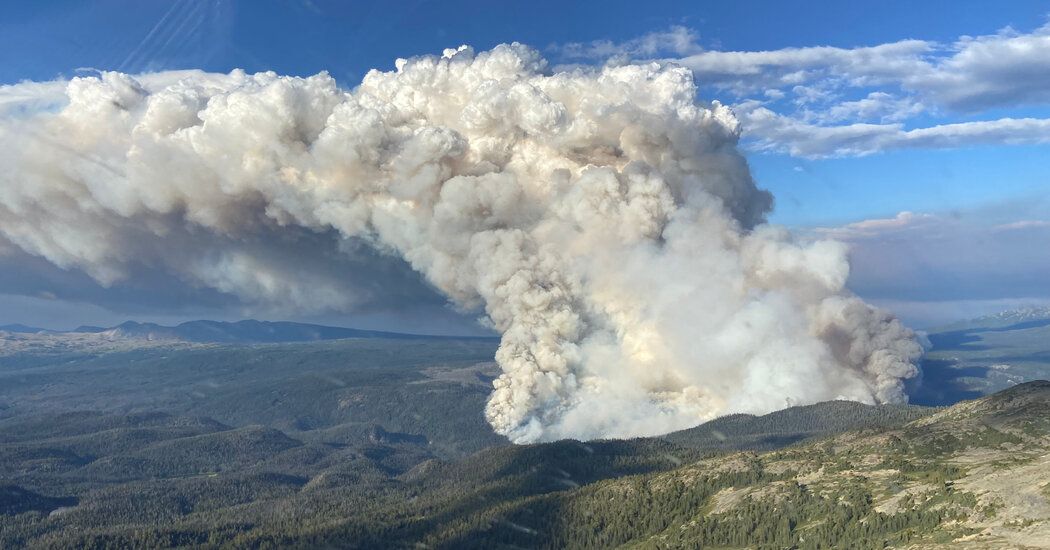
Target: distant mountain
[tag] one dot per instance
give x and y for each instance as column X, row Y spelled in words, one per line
column 89, row 329
column 221, row 332
column 980, row 356
column 248, row 332
column 1014, row 318
column 1021, row 315
column 21, row 329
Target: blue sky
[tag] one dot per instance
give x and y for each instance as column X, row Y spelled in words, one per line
column 851, row 112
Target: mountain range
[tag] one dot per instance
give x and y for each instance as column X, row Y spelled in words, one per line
column 1034, row 315
column 247, row 331
column 252, row 331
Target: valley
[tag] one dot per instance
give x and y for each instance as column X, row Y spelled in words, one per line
column 376, row 442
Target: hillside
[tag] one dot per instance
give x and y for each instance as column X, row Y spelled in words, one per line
column 335, row 391
column 380, row 443
column 971, row 475
column 784, row 427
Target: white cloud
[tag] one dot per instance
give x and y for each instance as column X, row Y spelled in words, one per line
column 1003, row 69
column 31, row 96
column 936, row 261
column 677, row 41
column 773, row 132
column 1023, row 224
column 877, row 106
column 809, row 95
column 743, row 72
column 825, row 101
column 902, row 221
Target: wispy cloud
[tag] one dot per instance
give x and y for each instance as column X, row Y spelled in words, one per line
column 936, row 266
column 675, row 41
column 1008, row 68
column 824, row 101
column 770, row 131
column 876, row 106
column 1023, row 224
column 746, row 72
column 879, row 226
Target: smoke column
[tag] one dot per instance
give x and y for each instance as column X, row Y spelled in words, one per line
column 603, row 219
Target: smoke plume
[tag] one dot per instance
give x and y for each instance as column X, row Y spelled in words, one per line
column 603, row 219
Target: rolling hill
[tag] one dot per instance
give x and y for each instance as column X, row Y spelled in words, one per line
column 969, row 476
column 784, row 427
column 379, row 442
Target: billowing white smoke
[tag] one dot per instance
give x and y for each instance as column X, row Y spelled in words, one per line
column 603, row 219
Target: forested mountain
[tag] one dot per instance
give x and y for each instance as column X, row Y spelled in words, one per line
column 21, row 329
column 380, row 443
column 970, row 476
column 336, row 391
column 780, row 428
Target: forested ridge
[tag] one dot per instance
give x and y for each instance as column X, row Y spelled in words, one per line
column 831, row 475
